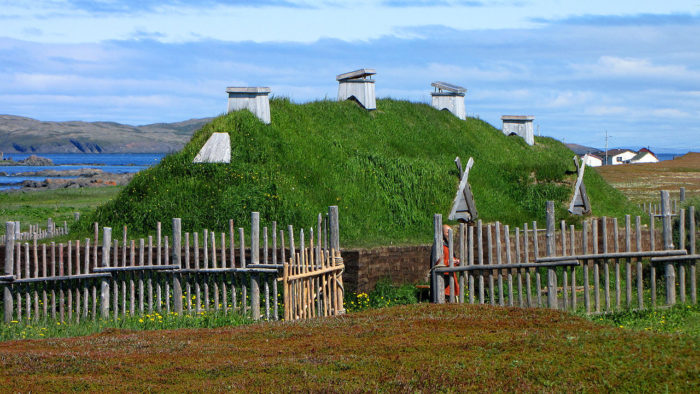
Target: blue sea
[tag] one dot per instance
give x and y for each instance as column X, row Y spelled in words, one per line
column 118, row 163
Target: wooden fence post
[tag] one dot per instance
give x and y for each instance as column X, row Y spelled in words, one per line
column 693, row 278
column 9, row 269
column 255, row 259
column 437, row 281
column 334, row 227
column 668, row 244
column 682, row 194
column 104, row 296
column 177, row 260
column 551, row 273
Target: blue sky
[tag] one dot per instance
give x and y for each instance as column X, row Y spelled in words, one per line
column 581, row 68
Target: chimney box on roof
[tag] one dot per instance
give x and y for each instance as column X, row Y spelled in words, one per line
column 254, row 99
column 359, row 85
column 520, row 125
column 449, row 97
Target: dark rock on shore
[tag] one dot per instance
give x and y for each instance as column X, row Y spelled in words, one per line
column 98, row 180
column 32, row 160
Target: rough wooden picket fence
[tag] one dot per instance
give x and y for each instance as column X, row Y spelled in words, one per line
column 179, row 275
column 35, row 231
column 516, row 276
column 654, row 207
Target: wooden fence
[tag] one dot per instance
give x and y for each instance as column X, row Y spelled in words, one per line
column 202, row 271
column 654, row 207
column 35, row 231
column 523, row 268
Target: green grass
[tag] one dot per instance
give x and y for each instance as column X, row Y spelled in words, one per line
column 154, row 321
column 388, row 171
column 682, row 319
column 35, row 207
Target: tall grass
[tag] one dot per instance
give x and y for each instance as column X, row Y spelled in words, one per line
column 388, row 171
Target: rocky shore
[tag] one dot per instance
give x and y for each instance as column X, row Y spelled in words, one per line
column 32, row 160
column 88, row 177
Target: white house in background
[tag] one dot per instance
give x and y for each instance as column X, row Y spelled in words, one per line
column 620, row 156
column 644, row 156
column 593, row 160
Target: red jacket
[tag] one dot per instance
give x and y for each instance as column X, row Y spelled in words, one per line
column 446, row 261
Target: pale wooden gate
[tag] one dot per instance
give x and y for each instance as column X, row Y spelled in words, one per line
column 313, row 284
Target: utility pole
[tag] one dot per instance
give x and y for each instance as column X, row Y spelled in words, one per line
column 606, row 147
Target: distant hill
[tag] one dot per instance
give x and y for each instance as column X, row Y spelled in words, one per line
column 388, row 170
column 25, row 135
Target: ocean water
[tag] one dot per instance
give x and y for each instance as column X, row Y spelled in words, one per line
column 117, row 163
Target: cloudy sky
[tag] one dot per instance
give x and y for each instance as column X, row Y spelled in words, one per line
column 580, row 67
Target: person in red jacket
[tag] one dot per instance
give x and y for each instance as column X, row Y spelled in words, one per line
column 446, row 261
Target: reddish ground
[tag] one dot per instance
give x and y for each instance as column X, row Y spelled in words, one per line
column 642, row 182
column 413, row 348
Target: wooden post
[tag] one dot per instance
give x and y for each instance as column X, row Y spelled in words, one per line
column 489, row 247
column 509, row 260
column 470, row 253
column 640, row 273
column 652, row 268
column 438, row 282
column 9, row 269
column 551, row 273
column 681, row 245
column 499, row 260
column 106, row 244
column 462, row 260
column 586, row 281
column 668, row 244
column 480, row 257
column 682, row 194
column 628, row 265
column 451, row 260
column 693, row 279
column 526, row 253
column 177, row 260
column 572, row 245
column 536, row 254
column 255, row 259
column 334, row 227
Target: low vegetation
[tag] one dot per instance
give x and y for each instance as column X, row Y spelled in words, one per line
column 403, row 348
column 388, row 171
column 35, row 207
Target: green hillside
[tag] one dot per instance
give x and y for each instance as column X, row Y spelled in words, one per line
column 388, row 171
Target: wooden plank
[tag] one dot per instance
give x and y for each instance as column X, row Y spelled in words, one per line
column 149, row 276
column 586, row 281
column 356, row 74
column 448, row 86
column 141, row 276
column 197, row 278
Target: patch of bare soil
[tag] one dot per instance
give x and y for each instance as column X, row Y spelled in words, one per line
column 642, row 182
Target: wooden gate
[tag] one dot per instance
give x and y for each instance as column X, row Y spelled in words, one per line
column 313, row 284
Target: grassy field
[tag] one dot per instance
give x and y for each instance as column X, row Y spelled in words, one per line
column 642, row 182
column 405, row 348
column 388, row 170
column 35, row 207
